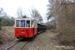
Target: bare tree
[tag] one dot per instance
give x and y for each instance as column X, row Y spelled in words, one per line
column 4, row 19
column 20, row 12
column 36, row 15
column 64, row 12
column 2, row 13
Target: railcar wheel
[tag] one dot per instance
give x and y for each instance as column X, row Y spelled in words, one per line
column 19, row 38
column 34, row 36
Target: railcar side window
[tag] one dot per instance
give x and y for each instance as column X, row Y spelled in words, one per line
column 17, row 23
column 36, row 24
column 23, row 23
column 32, row 24
column 28, row 23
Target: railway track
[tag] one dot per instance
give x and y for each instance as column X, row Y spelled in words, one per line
column 19, row 45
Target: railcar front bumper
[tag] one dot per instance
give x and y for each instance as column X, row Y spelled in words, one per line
column 21, row 36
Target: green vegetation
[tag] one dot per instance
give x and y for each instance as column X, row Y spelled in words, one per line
column 25, row 45
column 44, row 38
column 57, row 49
column 44, row 41
column 49, row 49
column 52, row 30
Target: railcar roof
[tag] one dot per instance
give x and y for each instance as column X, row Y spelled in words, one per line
column 41, row 25
column 23, row 19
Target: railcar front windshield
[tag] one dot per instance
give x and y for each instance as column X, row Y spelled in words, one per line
column 28, row 23
column 17, row 23
column 22, row 23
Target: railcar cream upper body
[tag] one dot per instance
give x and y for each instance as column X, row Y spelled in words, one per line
column 28, row 21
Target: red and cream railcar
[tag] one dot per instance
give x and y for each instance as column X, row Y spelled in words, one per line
column 25, row 28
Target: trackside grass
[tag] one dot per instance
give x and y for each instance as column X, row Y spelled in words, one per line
column 44, row 41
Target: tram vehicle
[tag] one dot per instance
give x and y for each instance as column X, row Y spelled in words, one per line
column 27, row 28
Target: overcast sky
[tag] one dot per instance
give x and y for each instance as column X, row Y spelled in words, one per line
column 11, row 6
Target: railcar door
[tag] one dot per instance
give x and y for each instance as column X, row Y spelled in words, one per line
column 34, row 27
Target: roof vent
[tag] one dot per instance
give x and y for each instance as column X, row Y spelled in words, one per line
column 24, row 16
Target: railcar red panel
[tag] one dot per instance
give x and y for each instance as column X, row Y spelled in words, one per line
column 34, row 31
column 27, row 32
